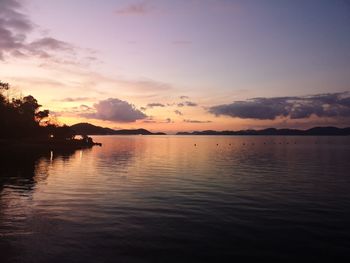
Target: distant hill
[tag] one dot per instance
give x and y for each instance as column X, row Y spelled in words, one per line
column 90, row 129
column 319, row 131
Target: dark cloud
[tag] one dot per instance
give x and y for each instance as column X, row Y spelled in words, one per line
column 153, row 105
column 46, row 47
column 140, row 8
column 12, row 18
column 49, row 43
column 178, row 112
column 14, row 29
column 84, row 107
column 14, row 26
column 168, row 120
column 149, row 121
column 187, row 103
column 196, row 121
column 184, row 97
column 115, row 110
column 323, row 105
column 191, row 104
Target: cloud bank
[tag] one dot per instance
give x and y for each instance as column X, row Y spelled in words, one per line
column 324, row 105
column 13, row 27
column 116, row 110
column 14, row 30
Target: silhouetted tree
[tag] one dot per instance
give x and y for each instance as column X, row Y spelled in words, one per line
column 3, row 87
column 21, row 117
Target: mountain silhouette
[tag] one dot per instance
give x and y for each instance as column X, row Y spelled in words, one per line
column 316, row 131
column 90, row 129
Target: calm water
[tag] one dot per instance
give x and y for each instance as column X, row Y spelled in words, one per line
column 162, row 199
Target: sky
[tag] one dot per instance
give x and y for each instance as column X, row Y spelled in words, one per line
column 181, row 65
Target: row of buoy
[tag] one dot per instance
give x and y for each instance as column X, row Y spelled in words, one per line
column 265, row 143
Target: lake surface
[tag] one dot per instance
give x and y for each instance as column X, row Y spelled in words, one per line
column 163, row 199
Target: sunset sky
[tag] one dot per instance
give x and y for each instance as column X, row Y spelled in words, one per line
column 181, row 65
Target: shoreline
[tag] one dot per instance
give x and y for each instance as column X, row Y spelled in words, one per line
column 43, row 145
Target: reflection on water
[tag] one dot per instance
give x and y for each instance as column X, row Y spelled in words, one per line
column 178, row 199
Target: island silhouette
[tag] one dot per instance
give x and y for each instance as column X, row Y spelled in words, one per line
column 316, row 131
column 90, row 129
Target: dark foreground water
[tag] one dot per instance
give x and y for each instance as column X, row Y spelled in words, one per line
column 162, row 199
